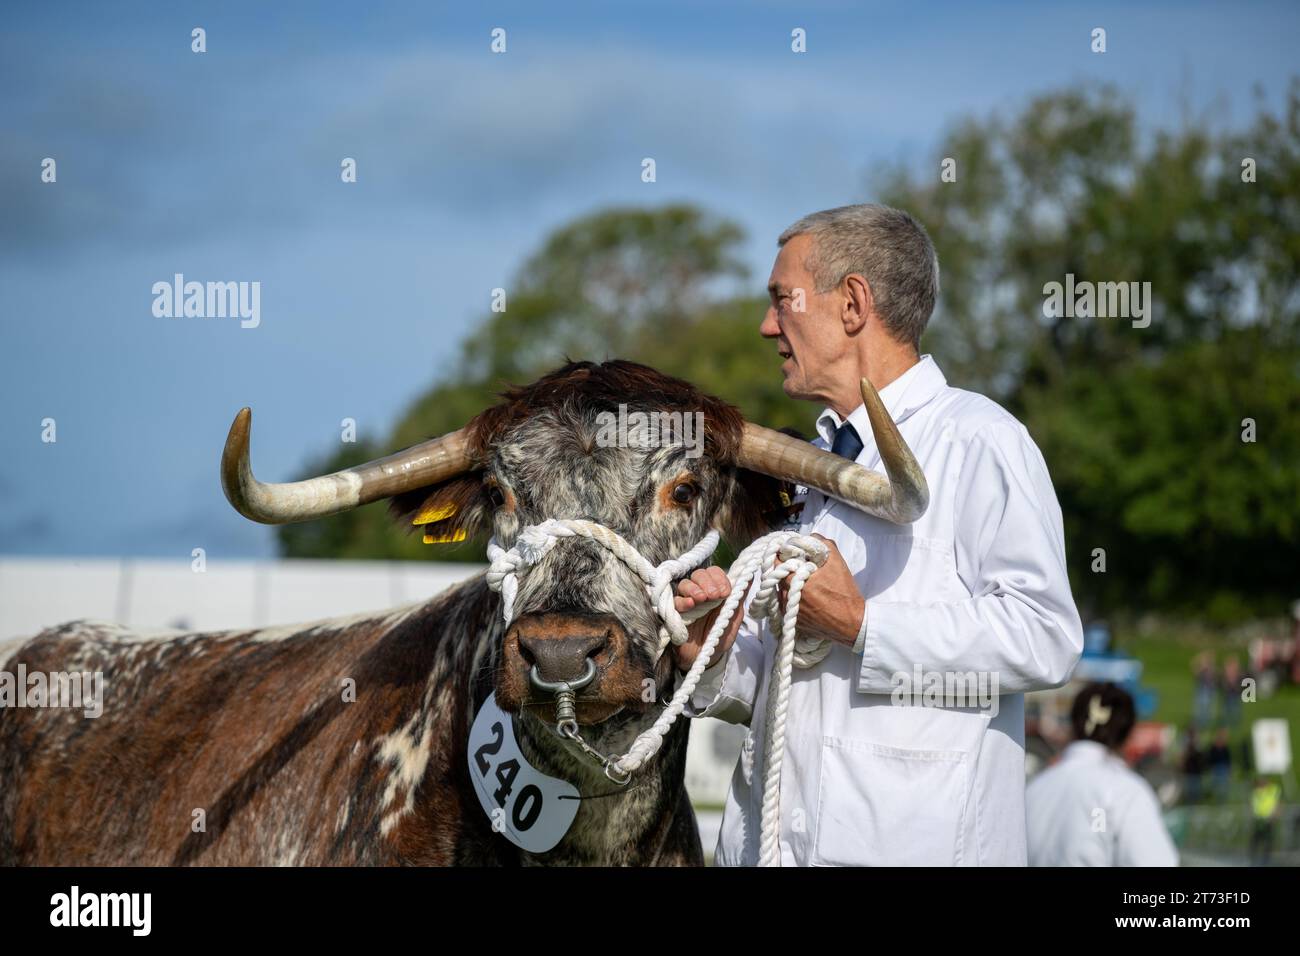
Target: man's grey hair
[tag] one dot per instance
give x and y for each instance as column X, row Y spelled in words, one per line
column 885, row 246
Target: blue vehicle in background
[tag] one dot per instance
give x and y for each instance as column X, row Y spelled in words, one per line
column 1100, row 662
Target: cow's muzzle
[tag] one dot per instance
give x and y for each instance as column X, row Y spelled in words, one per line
column 559, row 645
column 591, row 653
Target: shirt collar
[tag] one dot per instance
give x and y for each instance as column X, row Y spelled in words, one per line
column 1085, row 750
column 903, row 396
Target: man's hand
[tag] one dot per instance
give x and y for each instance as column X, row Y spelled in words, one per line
column 830, row 607
column 704, row 585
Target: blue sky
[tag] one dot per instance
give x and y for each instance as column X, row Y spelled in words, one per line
column 225, row 166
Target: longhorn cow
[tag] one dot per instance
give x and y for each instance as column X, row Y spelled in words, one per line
column 239, row 747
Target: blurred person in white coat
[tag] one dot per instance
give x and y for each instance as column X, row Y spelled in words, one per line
column 973, row 594
column 1089, row 808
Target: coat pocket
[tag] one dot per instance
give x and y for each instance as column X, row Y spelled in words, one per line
column 891, row 806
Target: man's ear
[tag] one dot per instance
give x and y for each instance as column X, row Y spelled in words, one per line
column 859, row 303
column 453, row 511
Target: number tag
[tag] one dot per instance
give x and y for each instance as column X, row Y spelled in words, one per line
column 523, row 803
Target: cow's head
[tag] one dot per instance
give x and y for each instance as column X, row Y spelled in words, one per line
column 572, row 445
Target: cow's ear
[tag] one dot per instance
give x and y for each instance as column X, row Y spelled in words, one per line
column 455, row 510
column 758, row 504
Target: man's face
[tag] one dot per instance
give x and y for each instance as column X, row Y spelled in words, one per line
column 811, row 341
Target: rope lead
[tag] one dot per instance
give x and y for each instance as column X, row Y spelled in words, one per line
column 783, row 554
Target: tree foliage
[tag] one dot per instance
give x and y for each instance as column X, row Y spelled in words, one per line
column 1141, row 427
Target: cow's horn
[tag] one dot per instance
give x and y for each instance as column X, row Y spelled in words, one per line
column 424, row 464
column 900, row 498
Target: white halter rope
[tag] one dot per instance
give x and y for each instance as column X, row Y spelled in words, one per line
column 782, row 553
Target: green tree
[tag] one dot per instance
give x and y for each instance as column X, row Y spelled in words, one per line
column 1152, row 466
column 1071, row 185
column 601, row 284
column 1141, row 427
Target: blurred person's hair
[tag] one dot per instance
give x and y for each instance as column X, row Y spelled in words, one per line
column 885, row 246
column 1103, row 713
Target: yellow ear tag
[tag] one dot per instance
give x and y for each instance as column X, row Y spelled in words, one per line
column 458, row 535
column 434, row 513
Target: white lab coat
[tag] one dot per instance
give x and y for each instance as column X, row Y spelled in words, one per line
column 1090, row 809
column 977, row 585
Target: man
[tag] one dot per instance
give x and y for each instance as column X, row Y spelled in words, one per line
column 973, row 595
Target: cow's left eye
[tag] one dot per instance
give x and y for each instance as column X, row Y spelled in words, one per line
column 684, row 493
